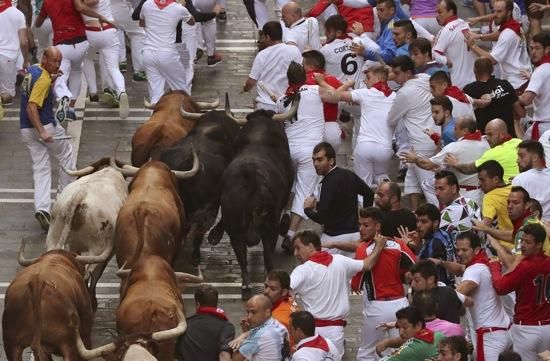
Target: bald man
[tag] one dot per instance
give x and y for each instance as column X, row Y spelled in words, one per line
column 267, row 339
column 299, row 31
column 503, row 150
column 42, row 134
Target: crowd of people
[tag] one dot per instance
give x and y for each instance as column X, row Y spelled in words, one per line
column 463, row 274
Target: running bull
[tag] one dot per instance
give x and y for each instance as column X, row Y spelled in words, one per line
column 167, row 125
column 255, row 189
column 150, row 316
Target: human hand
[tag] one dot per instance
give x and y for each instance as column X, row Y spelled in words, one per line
column 479, row 225
column 469, row 38
column 525, row 74
column 217, row 9
column 535, row 8
column 310, row 202
column 485, row 100
column 451, row 160
column 408, row 236
column 386, row 326
column 380, row 347
column 428, row 132
column 350, row 83
column 45, row 136
column 319, row 78
column 380, row 240
column 245, row 325
column 236, row 343
column 409, row 157
column 436, row 261
column 357, row 28
column 358, row 49
column 449, row 63
column 472, row 21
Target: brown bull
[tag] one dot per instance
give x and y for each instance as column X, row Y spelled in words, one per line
column 150, row 222
column 150, row 316
column 167, row 125
column 46, row 307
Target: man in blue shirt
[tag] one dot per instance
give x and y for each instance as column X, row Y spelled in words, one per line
column 41, row 133
column 403, row 34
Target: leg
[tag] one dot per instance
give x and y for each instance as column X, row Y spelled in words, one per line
column 155, row 81
column 332, row 134
column 172, row 71
column 362, row 162
column 88, row 68
column 62, row 151
column 8, row 75
column 13, row 353
column 209, row 34
column 260, row 9
column 44, row 35
column 335, row 334
column 494, row 343
column 76, row 56
column 238, row 242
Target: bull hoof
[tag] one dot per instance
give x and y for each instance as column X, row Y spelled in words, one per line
column 246, row 293
column 284, row 224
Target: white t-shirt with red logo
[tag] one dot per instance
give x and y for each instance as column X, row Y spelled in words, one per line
column 510, row 52
column 316, row 348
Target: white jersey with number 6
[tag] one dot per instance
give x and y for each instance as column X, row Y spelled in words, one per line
column 342, row 62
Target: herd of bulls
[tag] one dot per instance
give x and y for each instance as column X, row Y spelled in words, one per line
column 185, row 166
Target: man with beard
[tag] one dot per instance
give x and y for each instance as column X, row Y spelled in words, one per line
column 394, row 215
column 538, row 90
column 442, row 113
column 534, row 174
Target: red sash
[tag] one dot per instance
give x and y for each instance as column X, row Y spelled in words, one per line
column 479, row 336
column 325, row 323
column 214, row 311
column 455, row 92
column 318, row 342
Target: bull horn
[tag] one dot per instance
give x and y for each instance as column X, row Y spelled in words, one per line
column 147, row 104
column 229, row 114
column 95, row 352
column 121, row 273
column 287, row 115
column 189, row 173
column 126, row 170
column 21, row 259
column 104, row 256
column 173, row 332
column 79, row 172
column 209, row 105
column 185, row 114
column 187, row 277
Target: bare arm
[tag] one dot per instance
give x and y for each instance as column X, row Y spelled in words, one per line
column 23, row 43
column 505, row 235
column 452, row 267
column 466, row 288
column 349, row 246
column 82, row 8
column 527, row 98
column 372, row 259
column 466, row 168
column 191, row 21
column 506, row 258
column 225, row 356
column 39, row 21
column 237, row 356
column 424, row 163
column 250, row 83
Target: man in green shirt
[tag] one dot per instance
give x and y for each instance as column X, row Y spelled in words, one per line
column 420, row 343
column 504, row 149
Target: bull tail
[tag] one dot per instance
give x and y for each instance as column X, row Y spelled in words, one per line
column 149, row 148
column 140, row 217
column 216, row 233
column 73, row 217
column 35, row 289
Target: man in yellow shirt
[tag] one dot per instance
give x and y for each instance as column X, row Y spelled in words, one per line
column 503, row 150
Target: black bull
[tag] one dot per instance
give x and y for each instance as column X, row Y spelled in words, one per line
column 255, row 188
column 213, row 139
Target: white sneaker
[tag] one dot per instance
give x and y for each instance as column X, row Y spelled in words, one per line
column 123, row 105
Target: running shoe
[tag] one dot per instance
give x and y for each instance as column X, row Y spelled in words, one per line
column 211, row 61
column 43, row 218
column 61, row 111
column 123, row 106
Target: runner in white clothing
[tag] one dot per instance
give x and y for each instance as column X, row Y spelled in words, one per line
column 299, row 31
column 449, row 47
column 310, row 346
column 412, row 106
column 490, row 322
column 440, row 84
column 322, row 280
column 160, row 56
column 269, row 68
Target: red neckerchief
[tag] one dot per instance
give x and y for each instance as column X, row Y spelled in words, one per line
column 518, row 222
column 457, row 93
column 545, row 60
column 163, row 3
column 278, row 303
column 310, row 79
column 317, row 342
column 7, row 4
column 321, row 257
column 452, row 18
column 360, row 253
column 343, row 36
column 214, row 311
column 292, row 89
column 511, row 24
column 506, row 138
column 481, row 257
column 383, row 87
column 425, row 335
column 473, row 136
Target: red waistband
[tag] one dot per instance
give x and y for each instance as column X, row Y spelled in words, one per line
column 532, row 323
column 480, row 356
column 324, row 323
column 98, row 28
column 469, row 188
column 492, row 329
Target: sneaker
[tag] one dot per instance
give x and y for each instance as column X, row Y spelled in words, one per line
column 199, row 54
column 139, row 76
column 94, row 98
column 345, row 116
column 43, row 218
column 123, row 106
column 109, row 98
column 211, row 61
column 71, row 115
column 402, row 174
column 61, row 111
column 123, row 66
column 222, row 17
column 286, row 245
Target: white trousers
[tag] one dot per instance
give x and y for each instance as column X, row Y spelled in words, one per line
column 306, row 177
column 543, row 127
column 206, row 32
column 106, row 43
column 375, row 313
column 494, row 343
column 41, row 155
column 260, row 7
column 8, row 75
column 69, row 83
column 530, row 340
column 188, row 51
column 44, row 36
column 333, row 134
column 372, row 161
column 341, row 238
column 122, row 12
column 335, row 334
column 414, row 179
column 163, row 67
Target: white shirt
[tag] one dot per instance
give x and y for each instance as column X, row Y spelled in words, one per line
column 461, row 109
column 375, row 107
column 160, row 25
column 308, row 127
column 270, row 67
column 540, row 85
column 265, row 342
column 467, row 151
column 103, row 7
column 11, row 21
column 510, row 52
column 341, row 62
column 545, row 141
column 316, row 354
column 412, row 106
column 536, row 183
column 324, row 290
column 449, row 44
column 304, row 32
column 488, row 310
